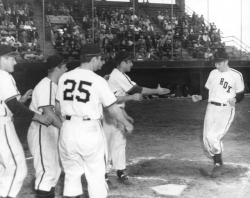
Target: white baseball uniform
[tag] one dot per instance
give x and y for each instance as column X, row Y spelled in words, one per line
column 13, row 167
column 120, row 84
column 43, row 140
column 82, row 95
column 219, row 115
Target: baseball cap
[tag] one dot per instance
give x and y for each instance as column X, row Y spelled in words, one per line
column 91, row 49
column 55, row 60
column 123, row 56
column 6, row 50
column 221, row 56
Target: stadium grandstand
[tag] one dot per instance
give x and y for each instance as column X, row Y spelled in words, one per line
column 149, row 30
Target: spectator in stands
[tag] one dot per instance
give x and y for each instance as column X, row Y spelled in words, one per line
column 178, row 92
column 160, row 19
column 198, row 49
column 208, row 55
column 141, row 55
column 205, row 40
column 34, row 34
column 186, row 91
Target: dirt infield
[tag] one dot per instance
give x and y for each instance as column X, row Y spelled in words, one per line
column 166, row 148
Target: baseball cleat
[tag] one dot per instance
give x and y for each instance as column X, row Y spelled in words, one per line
column 216, row 171
column 204, row 172
column 111, row 186
column 124, row 179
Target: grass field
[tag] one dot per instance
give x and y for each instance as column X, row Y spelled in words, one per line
column 166, row 148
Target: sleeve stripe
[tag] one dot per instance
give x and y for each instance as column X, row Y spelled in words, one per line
column 50, row 94
column 45, row 106
column 128, row 79
column 131, row 88
column 238, row 73
column 112, row 103
column 11, row 98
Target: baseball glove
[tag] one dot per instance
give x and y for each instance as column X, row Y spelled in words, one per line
column 196, row 98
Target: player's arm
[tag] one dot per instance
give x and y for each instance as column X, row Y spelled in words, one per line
column 22, row 111
column 127, row 116
column 58, row 111
column 239, row 91
column 147, row 91
column 134, row 97
column 116, row 113
column 56, row 120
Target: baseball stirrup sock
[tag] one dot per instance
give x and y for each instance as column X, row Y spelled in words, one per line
column 217, row 159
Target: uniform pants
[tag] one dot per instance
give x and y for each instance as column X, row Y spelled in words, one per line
column 217, row 122
column 82, row 150
column 43, row 145
column 13, row 167
column 116, row 142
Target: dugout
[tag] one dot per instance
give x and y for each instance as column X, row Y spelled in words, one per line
column 146, row 73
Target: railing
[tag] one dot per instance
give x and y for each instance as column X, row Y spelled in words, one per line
column 245, row 46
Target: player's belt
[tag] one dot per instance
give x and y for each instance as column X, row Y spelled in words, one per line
column 78, row 118
column 218, row 104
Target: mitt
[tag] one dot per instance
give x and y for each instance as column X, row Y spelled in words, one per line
column 196, row 98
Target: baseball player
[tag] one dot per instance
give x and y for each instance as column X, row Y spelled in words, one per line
column 43, row 140
column 121, row 85
column 80, row 97
column 13, row 167
column 225, row 88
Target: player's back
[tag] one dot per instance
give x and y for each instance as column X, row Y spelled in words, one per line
column 43, row 95
column 80, row 94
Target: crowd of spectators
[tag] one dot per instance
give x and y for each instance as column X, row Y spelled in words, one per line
column 113, row 31
column 123, row 29
column 201, row 39
column 17, row 29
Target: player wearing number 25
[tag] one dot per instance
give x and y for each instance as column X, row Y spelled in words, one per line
column 225, row 88
column 81, row 96
column 43, row 140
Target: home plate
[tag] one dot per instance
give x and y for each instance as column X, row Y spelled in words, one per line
column 169, row 189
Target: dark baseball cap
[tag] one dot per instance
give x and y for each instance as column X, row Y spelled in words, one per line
column 91, row 50
column 56, row 60
column 221, row 56
column 6, row 50
column 123, row 56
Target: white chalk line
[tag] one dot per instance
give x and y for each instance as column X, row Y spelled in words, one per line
column 28, row 158
column 240, row 192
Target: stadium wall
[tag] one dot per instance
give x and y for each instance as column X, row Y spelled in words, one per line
column 148, row 74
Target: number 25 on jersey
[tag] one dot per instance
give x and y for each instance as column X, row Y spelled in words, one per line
column 68, row 93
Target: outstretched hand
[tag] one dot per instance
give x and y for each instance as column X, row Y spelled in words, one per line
column 26, row 96
column 162, row 91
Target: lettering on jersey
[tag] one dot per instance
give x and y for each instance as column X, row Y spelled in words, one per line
column 221, row 81
column 229, row 87
column 68, row 93
column 225, row 85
